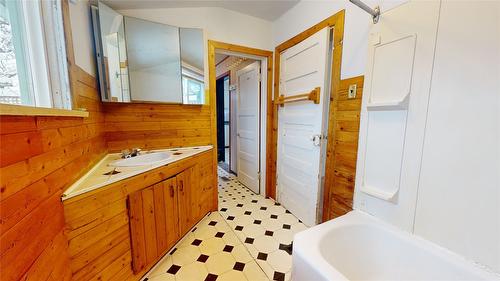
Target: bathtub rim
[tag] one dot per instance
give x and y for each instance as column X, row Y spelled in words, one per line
column 311, row 252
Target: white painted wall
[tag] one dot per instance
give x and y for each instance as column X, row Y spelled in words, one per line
column 357, row 24
column 458, row 203
column 219, row 24
column 457, row 198
column 390, row 147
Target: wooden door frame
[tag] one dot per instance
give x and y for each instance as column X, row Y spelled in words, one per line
column 264, row 54
column 337, row 22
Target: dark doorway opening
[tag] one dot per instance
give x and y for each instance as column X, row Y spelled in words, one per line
column 223, row 123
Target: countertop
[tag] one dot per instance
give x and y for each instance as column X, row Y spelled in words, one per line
column 102, row 173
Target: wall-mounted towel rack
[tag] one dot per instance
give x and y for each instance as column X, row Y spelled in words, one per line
column 312, row 96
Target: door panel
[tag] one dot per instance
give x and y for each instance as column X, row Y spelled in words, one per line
column 248, row 125
column 153, row 223
column 148, row 213
column 171, row 211
column 190, row 206
column 184, row 199
column 303, row 68
column 138, row 239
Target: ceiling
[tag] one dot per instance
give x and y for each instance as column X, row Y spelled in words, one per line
column 219, row 58
column 265, row 9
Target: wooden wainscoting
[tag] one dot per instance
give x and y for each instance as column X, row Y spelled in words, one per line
column 152, row 126
column 41, row 157
column 342, row 150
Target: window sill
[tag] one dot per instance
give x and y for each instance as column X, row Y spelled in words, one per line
column 24, row 110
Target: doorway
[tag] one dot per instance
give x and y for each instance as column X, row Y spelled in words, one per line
column 223, row 122
column 238, row 117
column 242, row 91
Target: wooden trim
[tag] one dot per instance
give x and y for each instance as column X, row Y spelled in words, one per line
column 336, row 21
column 24, row 110
column 214, row 45
column 313, row 96
column 344, row 142
column 338, row 38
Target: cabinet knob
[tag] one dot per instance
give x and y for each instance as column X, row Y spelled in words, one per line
column 181, row 185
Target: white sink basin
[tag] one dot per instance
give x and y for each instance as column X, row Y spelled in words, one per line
column 142, row 160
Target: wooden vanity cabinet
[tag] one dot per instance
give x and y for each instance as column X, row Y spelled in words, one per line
column 162, row 213
column 119, row 231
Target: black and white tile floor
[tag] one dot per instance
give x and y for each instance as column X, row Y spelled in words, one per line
column 250, row 238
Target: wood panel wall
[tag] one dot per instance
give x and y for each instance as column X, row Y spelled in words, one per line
column 41, row 157
column 153, row 126
column 342, row 150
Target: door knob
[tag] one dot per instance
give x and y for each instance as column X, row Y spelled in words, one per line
column 316, row 139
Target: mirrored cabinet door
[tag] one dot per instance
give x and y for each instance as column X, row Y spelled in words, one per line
column 154, row 61
column 143, row 61
column 192, row 62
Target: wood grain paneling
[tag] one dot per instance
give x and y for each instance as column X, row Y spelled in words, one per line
column 40, row 157
column 153, row 126
column 98, row 227
column 154, row 221
column 342, row 150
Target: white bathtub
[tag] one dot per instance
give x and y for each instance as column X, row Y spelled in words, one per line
column 358, row 246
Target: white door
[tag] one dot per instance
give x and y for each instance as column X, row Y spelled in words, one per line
column 300, row 125
column 248, row 124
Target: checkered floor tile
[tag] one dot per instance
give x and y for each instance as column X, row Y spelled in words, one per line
column 250, row 238
column 264, row 226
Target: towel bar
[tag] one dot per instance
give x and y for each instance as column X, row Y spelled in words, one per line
column 312, row 95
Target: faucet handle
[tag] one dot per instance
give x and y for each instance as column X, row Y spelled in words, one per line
column 135, row 151
column 125, row 153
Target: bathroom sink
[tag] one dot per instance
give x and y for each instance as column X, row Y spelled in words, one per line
column 142, row 160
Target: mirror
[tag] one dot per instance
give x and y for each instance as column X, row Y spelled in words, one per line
column 143, row 61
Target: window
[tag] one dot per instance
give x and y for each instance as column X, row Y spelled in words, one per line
column 33, row 67
column 192, row 87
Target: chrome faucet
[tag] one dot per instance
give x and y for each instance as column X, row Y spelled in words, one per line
column 127, row 153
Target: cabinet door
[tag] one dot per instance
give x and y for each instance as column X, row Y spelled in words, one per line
column 189, row 202
column 170, row 192
column 154, row 227
column 137, row 236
